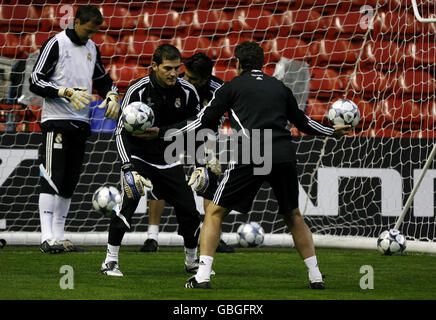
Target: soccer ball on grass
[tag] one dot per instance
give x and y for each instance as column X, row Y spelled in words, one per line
column 344, row 112
column 105, row 199
column 391, row 242
column 250, row 234
column 137, row 116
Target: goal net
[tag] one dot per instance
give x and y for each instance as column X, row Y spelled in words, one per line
column 379, row 54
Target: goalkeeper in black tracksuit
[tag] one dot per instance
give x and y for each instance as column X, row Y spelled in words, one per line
column 172, row 99
column 259, row 108
column 198, row 72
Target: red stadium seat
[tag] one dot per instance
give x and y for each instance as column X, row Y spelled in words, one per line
column 138, row 48
column 225, row 74
column 391, row 25
column 107, row 45
column 9, row 45
column 315, row 3
column 56, row 17
column 269, row 69
column 190, row 46
column 325, row 83
column 366, row 83
column 382, row 55
column 291, row 48
column 317, row 110
column 254, row 22
column 118, row 20
column 206, row 22
column 396, row 4
column 372, row 3
column 222, row 50
column 367, row 112
column 177, row 5
column 32, row 42
column 161, row 22
column 272, row 5
column 413, row 83
column 19, row 18
column 428, row 30
column 303, row 22
column 423, row 134
column 124, row 74
column 429, row 113
column 224, row 4
column 346, row 24
column 422, row 53
column 399, row 113
column 334, row 53
column 387, row 131
column 33, row 116
column 337, row 6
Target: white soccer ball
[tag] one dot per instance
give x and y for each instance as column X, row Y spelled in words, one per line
column 391, row 242
column 105, row 199
column 250, row 234
column 137, row 116
column 344, row 112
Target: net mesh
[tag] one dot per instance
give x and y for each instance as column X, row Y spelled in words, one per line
column 375, row 53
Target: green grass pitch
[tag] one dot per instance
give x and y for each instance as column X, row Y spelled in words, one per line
column 248, row 274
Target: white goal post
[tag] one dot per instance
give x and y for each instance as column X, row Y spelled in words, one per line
column 379, row 53
column 418, row 15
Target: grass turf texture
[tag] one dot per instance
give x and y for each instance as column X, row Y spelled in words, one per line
column 248, row 274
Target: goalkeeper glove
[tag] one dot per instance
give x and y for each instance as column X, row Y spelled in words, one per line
column 213, row 164
column 134, row 184
column 112, row 102
column 200, row 179
column 78, row 97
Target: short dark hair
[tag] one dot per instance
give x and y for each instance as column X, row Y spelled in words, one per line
column 250, row 55
column 89, row 13
column 200, row 64
column 166, row 51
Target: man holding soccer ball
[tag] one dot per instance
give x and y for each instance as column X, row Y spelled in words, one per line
column 198, row 71
column 143, row 164
column 69, row 64
column 255, row 101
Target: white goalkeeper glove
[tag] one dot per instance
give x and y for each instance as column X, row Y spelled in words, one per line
column 213, row 164
column 78, row 97
column 112, row 102
column 200, row 179
column 134, row 183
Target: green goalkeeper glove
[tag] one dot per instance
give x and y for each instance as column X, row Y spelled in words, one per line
column 78, row 97
column 200, row 179
column 134, row 183
column 112, row 102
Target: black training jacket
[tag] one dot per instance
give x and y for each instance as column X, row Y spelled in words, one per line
column 254, row 100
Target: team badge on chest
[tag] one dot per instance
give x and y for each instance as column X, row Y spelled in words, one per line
column 58, row 141
column 89, row 56
column 58, row 138
column 178, row 103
